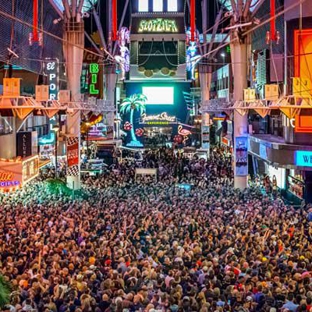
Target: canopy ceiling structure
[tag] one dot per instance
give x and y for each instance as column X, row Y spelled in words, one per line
column 86, row 6
column 227, row 4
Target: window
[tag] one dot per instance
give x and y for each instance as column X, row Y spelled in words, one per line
column 143, row 5
column 157, row 5
column 172, row 5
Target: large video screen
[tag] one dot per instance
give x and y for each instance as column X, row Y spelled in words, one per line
column 159, row 95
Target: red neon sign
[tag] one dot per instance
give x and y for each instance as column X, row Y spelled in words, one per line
column 193, row 12
column 35, row 20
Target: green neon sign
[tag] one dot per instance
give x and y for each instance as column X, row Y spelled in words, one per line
column 94, row 70
column 158, row 25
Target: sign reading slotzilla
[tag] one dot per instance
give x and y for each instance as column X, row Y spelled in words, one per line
column 158, row 25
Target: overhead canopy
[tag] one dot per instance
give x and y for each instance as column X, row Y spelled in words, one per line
column 228, row 6
column 86, row 7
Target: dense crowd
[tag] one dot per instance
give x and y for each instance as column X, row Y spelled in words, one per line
column 142, row 245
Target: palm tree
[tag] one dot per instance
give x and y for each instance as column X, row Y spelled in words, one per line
column 135, row 102
column 5, row 290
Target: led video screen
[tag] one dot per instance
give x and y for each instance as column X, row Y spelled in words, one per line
column 159, row 95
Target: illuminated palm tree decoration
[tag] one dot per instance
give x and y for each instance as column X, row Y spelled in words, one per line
column 135, row 102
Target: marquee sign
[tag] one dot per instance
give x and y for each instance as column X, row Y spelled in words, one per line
column 16, row 173
column 7, row 180
column 158, row 25
column 160, row 119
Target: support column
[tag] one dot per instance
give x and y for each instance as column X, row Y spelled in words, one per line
column 239, row 66
column 73, row 50
column 205, row 73
column 110, row 79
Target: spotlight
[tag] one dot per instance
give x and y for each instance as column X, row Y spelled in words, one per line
column 12, row 52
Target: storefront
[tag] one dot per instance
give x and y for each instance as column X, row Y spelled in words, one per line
column 162, row 120
column 295, row 183
column 14, row 174
column 290, row 165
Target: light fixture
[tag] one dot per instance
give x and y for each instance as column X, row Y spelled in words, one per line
column 56, row 128
column 238, row 26
column 12, row 52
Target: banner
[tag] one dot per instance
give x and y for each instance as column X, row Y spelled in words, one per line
column 241, row 156
column 73, row 156
column 205, row 137
column 24, row 144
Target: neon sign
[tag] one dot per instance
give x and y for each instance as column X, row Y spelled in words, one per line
column 303, row 158
column 160, row 117
column 5, row 176
column 51, row 69
column 158, row 25
column 94, row 70
column 9, row 183
column 6, row 180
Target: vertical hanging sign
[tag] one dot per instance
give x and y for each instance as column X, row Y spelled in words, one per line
column 35, row 20
column 51, row 70
column 24, row 144
column 272, row 22
column 114, row 20
column 192, row 20
column 241, row 156
column 72, row 156
column 94, row 72
column 205, row 137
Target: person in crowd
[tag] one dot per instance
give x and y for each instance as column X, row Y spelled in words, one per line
column 141, row 245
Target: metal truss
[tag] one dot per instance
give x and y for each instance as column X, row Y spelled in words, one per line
column 22, row 106
column 289, row 105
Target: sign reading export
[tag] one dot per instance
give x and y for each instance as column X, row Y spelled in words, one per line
column 158, row 25
column 303, row 158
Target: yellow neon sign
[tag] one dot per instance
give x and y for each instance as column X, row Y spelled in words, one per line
column 158, row 25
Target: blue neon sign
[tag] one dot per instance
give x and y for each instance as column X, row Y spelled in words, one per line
column 303, row 158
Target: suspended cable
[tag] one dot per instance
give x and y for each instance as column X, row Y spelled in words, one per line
column 149, row 55
column 54, row 36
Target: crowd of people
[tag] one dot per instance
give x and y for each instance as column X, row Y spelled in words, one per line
column 137, row 244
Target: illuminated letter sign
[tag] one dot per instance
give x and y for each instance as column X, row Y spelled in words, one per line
column 94, row 70
column 160, row 117
column 7, row 181
column 303, row 158
column 6, row 176
column 158, row 25
column 23, row 144
column 51, row 69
